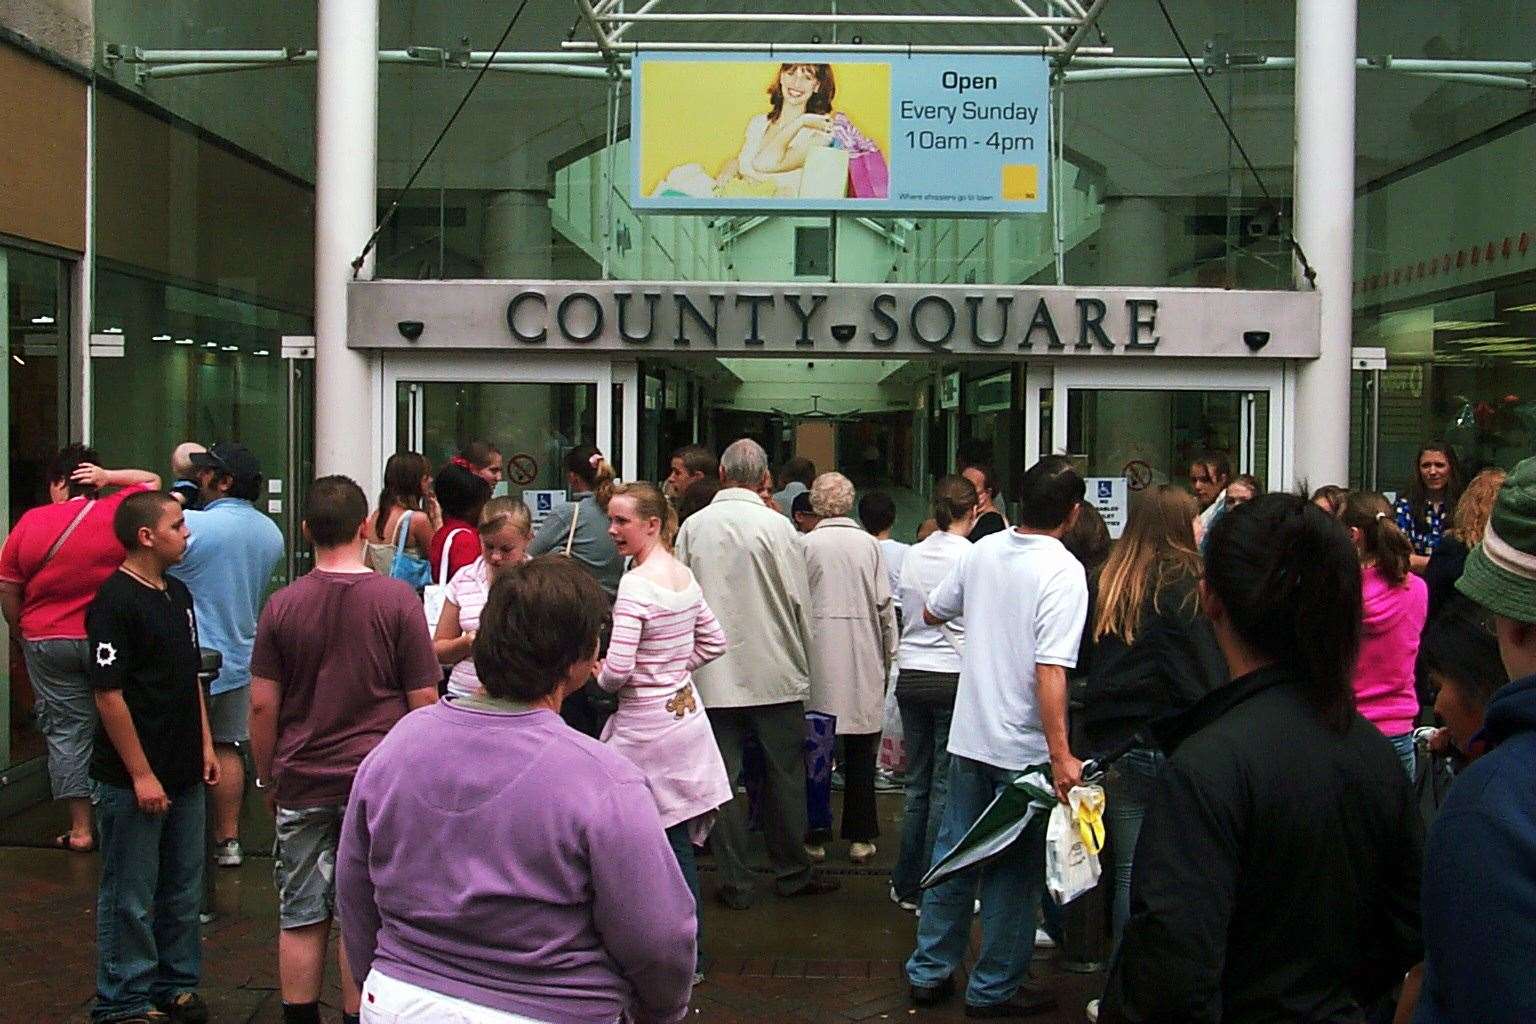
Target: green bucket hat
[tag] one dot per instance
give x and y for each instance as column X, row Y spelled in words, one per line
column 1501, row 571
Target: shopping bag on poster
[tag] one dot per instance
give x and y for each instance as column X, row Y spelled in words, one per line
column 893, row 747
column 1073, row 838
column 868, row 176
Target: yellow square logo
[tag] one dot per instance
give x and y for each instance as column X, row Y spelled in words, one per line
column 1021, row 181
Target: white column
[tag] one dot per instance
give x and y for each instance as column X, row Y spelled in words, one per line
column 1324, row 225
column 347, row 413
column 517, row 242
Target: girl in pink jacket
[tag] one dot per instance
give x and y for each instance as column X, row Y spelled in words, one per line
column 1394, row 603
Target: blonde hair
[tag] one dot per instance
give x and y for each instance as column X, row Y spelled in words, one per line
column 1470, row 520
column 1157, row 549
column 650, row 503
column 504, row 511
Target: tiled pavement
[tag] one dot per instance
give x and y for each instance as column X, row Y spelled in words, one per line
column 827, row 960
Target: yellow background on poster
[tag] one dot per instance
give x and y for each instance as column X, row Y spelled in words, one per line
column 697, row 111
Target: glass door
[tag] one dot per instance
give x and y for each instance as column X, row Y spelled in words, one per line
column 533, row 411
column 1148, row 430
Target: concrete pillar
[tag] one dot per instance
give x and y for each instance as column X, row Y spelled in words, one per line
column 518, row 236
column 346, row 146
column 1324, row 226
column 1133, row 425
column 1133, row 242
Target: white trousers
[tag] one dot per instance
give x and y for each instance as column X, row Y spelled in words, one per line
column 387, row 1001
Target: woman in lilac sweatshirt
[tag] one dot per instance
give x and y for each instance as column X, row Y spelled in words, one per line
column 1394, row 604
column 494, row 859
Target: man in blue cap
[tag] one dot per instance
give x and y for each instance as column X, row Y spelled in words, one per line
column 233, row 549
column 1479, row 897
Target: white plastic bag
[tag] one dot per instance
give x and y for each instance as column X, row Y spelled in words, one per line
column 893, row 748
column 1071, row 868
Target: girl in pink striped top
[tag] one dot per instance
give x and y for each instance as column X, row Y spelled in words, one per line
column 662, row 631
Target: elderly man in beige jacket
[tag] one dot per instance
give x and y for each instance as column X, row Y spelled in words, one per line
column 749, row 562
column 853, row 640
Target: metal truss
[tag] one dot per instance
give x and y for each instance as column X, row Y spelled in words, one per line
column 1059, row 29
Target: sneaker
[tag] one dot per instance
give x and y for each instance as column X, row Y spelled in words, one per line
column 698, row 979
column 1043, row 941
column 1091, row 1011
column 860, row 853
column 1029, row 1001
column 932, row 995
column 816, row 853
column 887, row 782
column 837, row 780
column 228, row 854
column 186, row 1008
column 910, row 906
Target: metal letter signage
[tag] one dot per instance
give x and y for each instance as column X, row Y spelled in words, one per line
column 655, row 318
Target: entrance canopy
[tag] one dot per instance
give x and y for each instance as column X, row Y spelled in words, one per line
column 649, row 319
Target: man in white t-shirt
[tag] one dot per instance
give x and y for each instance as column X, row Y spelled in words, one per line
column 1025, row 599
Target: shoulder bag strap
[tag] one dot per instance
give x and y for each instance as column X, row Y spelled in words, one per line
column 73, row 523
column 570, row 537
column 442, row 560
column 403, row 532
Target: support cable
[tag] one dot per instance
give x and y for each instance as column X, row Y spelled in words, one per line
column 1307, row 270
column 389, row 215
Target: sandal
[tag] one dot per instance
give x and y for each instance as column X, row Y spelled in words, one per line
column 66, row 841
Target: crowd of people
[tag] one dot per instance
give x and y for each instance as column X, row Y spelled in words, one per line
column 613, row 685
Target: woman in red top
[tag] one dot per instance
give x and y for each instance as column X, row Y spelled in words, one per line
column 50, row 568
column 461, row 494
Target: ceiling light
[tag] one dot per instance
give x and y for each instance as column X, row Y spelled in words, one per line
column 184, row 341
column 1525, row 307
column 19, row 361
column 111, row 330
column 1466, row 325
column 210, row 344
column 41, row 320
column 230, row 348
column 161, row 337
column 262, row 352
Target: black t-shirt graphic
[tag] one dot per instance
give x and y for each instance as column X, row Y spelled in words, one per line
column 143, row 642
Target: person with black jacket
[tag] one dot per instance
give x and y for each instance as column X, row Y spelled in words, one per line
column 1154, row 653
column 1277, row 873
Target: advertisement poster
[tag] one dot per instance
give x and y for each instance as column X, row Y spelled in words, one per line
column 926, row 133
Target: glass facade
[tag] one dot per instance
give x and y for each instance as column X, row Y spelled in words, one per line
column 34, row 343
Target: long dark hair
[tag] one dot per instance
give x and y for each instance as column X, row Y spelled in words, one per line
column 820, row 101
column 1289, row 579
column 402, row 486
column 1380, row 539
column 63, row 465
column 1418, row 497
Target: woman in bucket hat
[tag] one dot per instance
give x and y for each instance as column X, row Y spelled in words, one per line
column 1479, row 900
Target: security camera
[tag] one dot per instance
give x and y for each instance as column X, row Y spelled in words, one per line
column 844, row 332
column 1255, row 340
column 410, row 330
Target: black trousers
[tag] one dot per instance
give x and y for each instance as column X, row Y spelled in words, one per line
column 861, row 822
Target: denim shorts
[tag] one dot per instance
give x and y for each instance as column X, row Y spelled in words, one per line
column 229, row 716
column 304, row 864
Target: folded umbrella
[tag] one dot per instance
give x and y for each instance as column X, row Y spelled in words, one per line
column 1004, row 820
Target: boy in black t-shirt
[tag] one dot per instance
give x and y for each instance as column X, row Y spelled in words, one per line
column 153, row 752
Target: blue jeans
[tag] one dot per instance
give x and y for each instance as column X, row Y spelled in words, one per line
column 1405, row 753
column 925, row 731
column 1010, row 885
column 1129, row 788
column 147, row 936
column 682, row 849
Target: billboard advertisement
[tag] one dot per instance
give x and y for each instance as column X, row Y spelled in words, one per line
column 878, row 134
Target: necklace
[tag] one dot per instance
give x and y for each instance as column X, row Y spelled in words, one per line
column 145, row 580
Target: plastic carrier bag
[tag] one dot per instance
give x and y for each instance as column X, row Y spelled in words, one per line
column 1073, row 838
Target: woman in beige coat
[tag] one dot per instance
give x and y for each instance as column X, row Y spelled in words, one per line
column 853, row 639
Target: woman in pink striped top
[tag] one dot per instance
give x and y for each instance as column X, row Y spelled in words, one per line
column 662, row 631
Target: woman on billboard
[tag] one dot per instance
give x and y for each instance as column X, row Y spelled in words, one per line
column 800, row 149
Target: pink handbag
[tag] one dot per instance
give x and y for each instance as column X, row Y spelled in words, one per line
column 868, row 176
